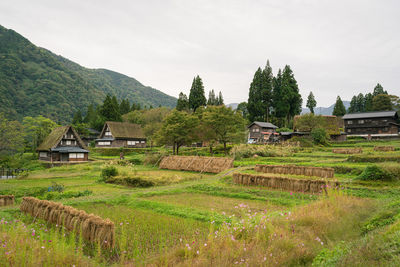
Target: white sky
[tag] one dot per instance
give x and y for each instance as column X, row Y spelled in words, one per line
column 334, row 47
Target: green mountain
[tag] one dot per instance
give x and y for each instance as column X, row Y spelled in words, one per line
column 34, row 81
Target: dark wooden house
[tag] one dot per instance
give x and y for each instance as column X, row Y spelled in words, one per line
column 261, row 132
column 121, row 134
column 376, row 124
column 90, row 137
column 63, row 144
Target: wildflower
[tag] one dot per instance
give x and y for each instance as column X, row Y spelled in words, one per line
column 265, row 258
column 42, row 247
column 291, row 193
column 198, row 252
column 180, row 239
column 322, row 243
column 121, row 223
column 244, row 249
column 205, row 244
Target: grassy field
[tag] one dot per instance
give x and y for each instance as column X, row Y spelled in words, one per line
column 187, row 218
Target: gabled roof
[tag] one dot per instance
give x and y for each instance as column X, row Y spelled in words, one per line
column 375, row 114
column 52, row 140
column 264, row 124
column 124, row 130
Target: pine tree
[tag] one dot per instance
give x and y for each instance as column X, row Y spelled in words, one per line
column 91, row 115
column 196, row 96
column 379, row 90
column 212, row 101
column 183, row 102
column 311, row 102
column 339, row 109
column 280, row 97
column 220, row 99
column 77, row 117
column 124, row 107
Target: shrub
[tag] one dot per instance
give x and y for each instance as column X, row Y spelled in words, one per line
column 56, row 187
column 374, row 173
column 247, row 151
column 131, row 181
column 392, row 168
column 320, row 136
column 303, row 141
column 108, row 172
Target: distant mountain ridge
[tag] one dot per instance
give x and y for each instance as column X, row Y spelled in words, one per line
column 34, row 81
column 317, row 110
column 323, row 110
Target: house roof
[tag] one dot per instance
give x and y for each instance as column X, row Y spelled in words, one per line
column 69, row 149
column 52, row 140
column 264, row 124
column 375, row 114
column 124, row 129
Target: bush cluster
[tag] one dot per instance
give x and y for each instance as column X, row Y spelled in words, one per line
column 247, row 151
column 375, row 173
column 108, row 172
column 302, row 141
column 131, row 181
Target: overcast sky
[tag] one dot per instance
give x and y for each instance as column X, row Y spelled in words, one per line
column 334, row 47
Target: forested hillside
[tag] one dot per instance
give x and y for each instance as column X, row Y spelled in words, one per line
column 34, row 81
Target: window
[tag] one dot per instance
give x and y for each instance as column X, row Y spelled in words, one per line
column 106, row 143
column 257, row 130
column 72, row 155
column 108, row 134
column 143, row 142
column 132, row 143
column 361, row 121
column 68, row 142
column 43, row 154
column 349, row 130
column 80, row 155
column 350, row 122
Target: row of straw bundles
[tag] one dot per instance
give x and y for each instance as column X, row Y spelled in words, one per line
column 347, row 150
column 92, row 227
column 196, row 163
column 384, row 148
column 283, row 183
column 296, row 170
column 6, row 200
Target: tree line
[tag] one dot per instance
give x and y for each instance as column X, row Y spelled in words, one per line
column 272, row 98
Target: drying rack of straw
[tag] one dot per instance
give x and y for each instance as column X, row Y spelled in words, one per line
column 92, row 227
column 384, row 148
column 6, row 200
column 296, row 170
column 196, row 163
column 347, row 150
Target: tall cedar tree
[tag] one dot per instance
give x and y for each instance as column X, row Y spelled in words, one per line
column 368, row 102
column 196, row 96
column 182, row 103
column 311, row 102
column 353, row 105
column 254, row 103
column 295, row 99
column 124, row 107
column 110, row 109
column 360, row 104
column 261, row 94
column 280, row 98
column 77, row 117
column 242, row 108
column 220, row 99
column 267, row 88
column 378, row 90
column 382, row 102
column 212, row 101
column 339, row 109
column 91, row 115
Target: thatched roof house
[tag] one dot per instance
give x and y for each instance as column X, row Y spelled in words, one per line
column 121, row 134
column 63, row 144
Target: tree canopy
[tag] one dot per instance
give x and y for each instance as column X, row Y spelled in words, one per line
column 339, row 109
column 311, row 102
column 196, row 96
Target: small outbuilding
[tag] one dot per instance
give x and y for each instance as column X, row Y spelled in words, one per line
column 261, row 132
column 121, row 134
column 63, row 144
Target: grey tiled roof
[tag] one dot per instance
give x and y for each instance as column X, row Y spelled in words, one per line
column 264, row 124
column 375, row 114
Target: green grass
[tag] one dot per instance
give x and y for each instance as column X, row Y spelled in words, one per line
column 151, row 222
